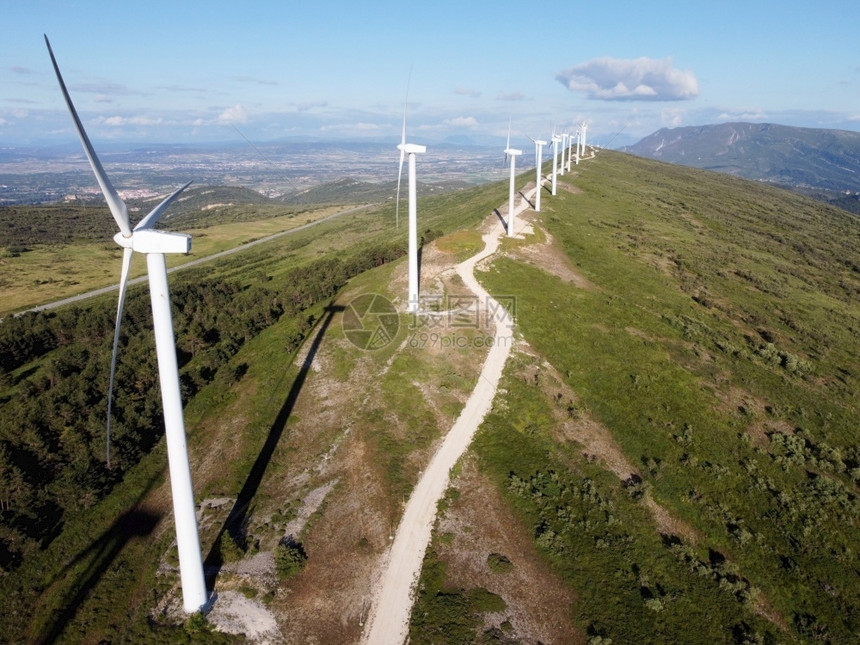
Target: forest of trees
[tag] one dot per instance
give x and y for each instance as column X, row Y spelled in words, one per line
column 54, row 369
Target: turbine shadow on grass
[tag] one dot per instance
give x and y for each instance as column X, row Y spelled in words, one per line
column 238, row 516
column 101, row 554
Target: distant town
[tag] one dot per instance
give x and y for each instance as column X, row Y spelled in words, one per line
column 45, row 175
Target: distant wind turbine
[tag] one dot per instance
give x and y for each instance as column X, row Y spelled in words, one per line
column 555, row 141
column 410, row 149
column 154, row 244
column 569, row 151
column 539, row 144
column 564, row 137
column 512, row 153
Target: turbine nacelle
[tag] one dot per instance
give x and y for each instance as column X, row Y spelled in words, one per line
column 150, row 241
column 513, row 152
column 411, row 148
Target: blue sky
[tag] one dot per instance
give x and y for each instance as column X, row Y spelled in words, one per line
column 179, row 71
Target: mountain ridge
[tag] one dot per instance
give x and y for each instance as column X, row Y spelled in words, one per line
column 800, row 158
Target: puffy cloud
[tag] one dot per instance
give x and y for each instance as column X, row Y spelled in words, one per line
column 640, row 79
column 672, row 117
column 235, row 114
column 461, row 122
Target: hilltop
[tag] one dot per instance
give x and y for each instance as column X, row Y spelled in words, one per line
column 676, row 421
column 808, row 159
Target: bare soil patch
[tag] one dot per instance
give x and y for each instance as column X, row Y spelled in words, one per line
column 478, row 523
column 550, row 257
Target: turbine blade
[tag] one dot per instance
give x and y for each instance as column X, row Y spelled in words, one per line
column 156, row 213
column 402, row 152
column 117, row 207
column 123, row 284
column 399, row 177
column 509, row 135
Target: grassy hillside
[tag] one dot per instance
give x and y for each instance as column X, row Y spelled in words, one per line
column 679, row 433
column 81, row 545
column 672, row 457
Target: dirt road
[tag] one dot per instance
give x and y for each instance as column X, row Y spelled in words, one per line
column 388, row 621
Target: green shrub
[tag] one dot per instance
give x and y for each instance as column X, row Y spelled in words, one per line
column 290, row 558
column 499, row 563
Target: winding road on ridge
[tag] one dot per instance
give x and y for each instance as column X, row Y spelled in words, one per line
column 188, row 265
column 388, row 620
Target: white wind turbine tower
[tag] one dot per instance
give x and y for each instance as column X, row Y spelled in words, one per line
column 564, row 136
column 410, row 149
column 539, row 144
column 578, row 139
column 154, row 244
column 555, row 141
column 584, row 128
column 512, row 153
column 569, row 151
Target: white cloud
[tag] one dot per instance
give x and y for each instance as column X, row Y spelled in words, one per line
column 465, row 91
column 640, row 79
column 235, row 114
column 309, row 105
column 253, row 81
column 361, row 126
column 510, row 96
column 119, row 121
column 461, row 122
column 672, row 117
column 754, row 114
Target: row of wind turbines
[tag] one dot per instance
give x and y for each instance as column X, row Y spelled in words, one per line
column 143, row 238
column 410, row 150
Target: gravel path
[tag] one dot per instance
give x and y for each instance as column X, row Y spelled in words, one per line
column 388, row 621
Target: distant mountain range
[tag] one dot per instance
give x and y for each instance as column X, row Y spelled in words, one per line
column 822, row 163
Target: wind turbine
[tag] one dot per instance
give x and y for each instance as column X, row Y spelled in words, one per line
column 512, row 153
column 539, row 144
column 584, row 129
column 564, row 137
column 555, row 141
column 154, row 244
column 410, row 149
column 570, row 152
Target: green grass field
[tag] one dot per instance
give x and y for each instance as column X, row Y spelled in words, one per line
column 714, row 344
